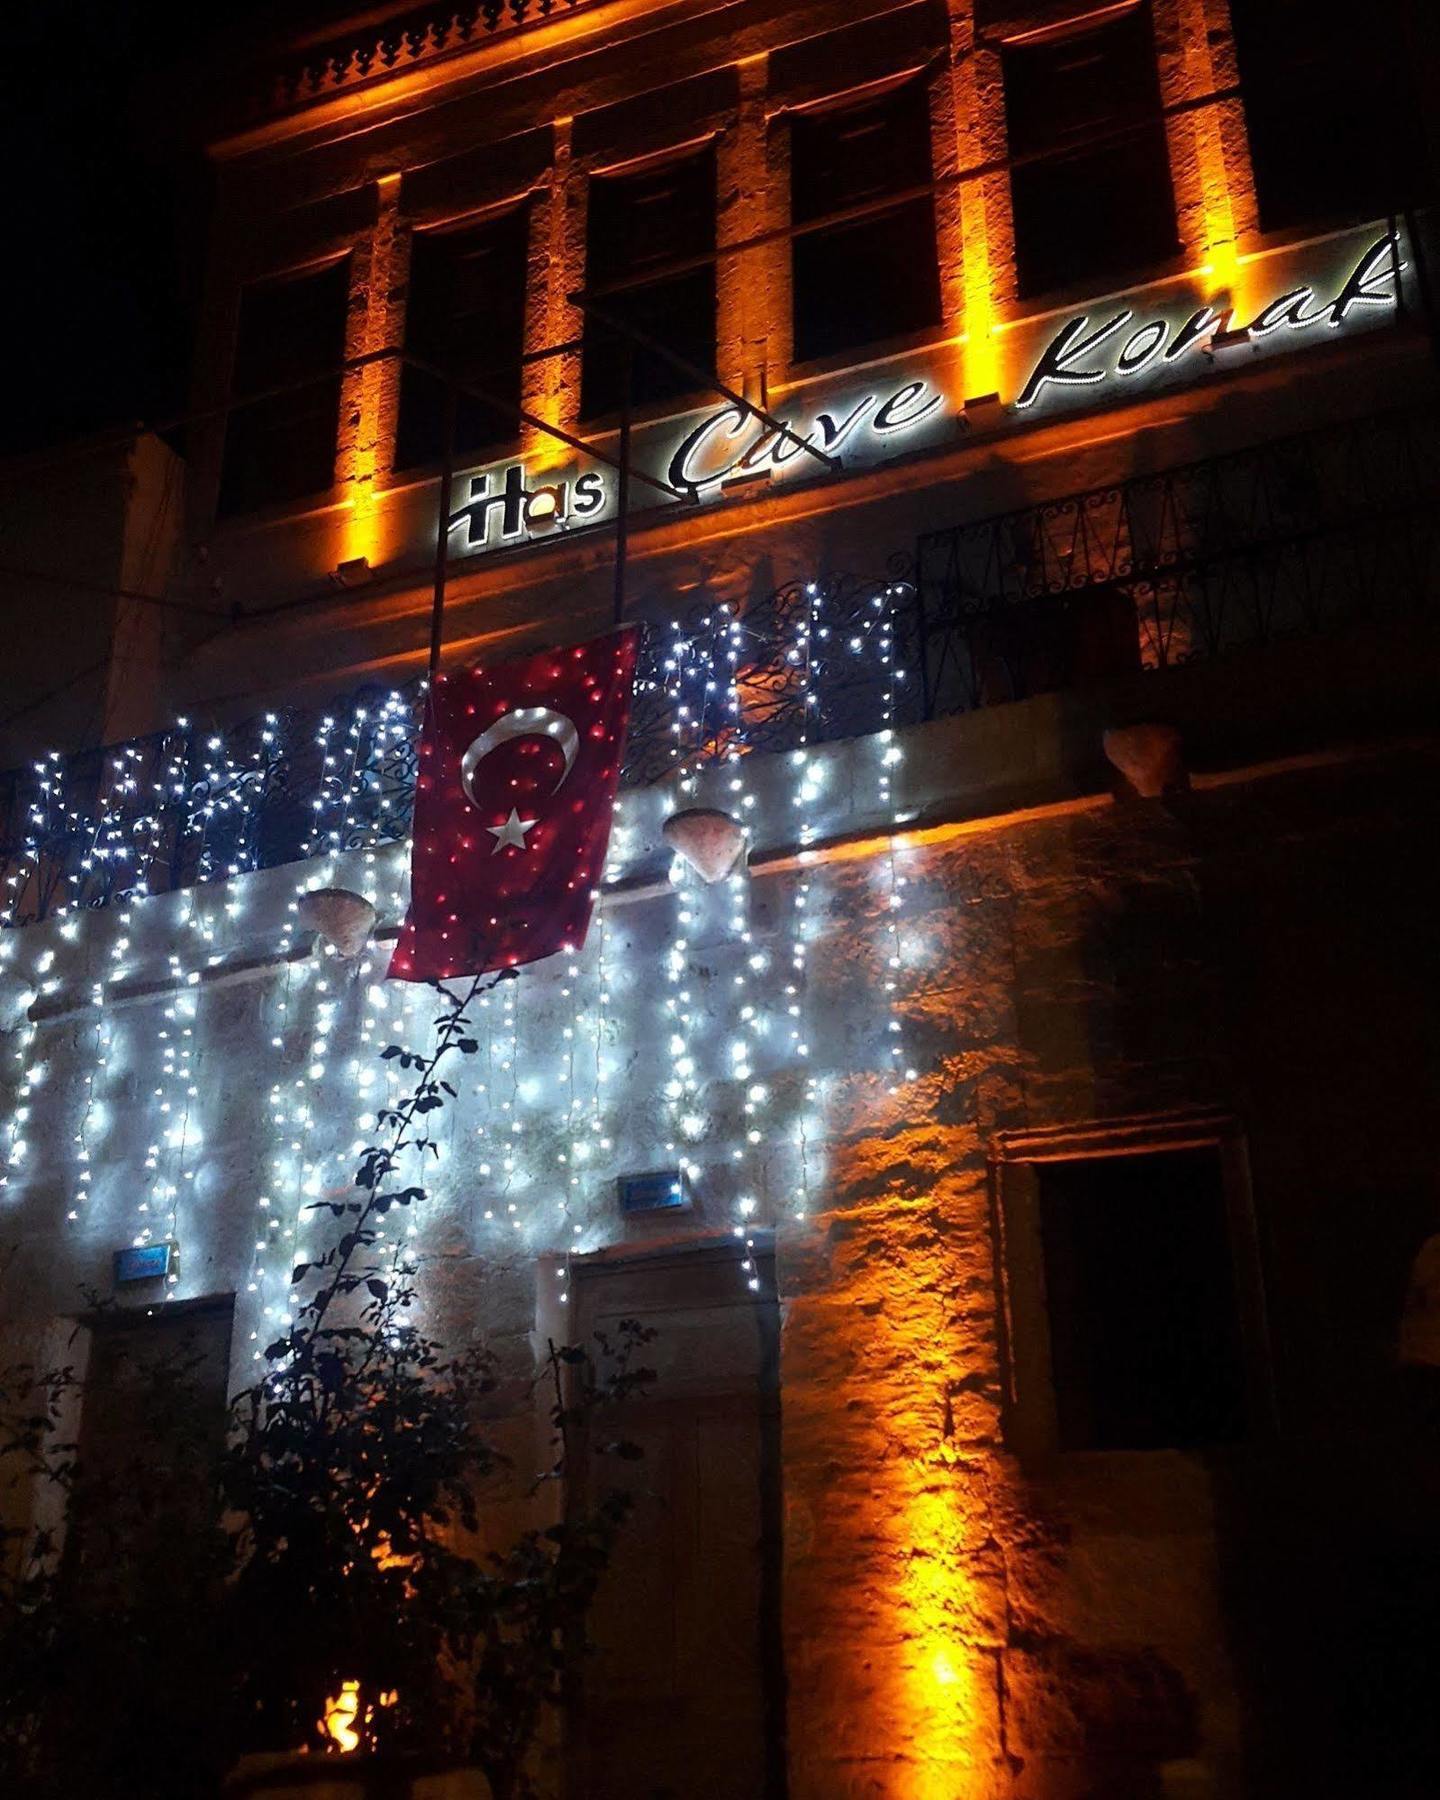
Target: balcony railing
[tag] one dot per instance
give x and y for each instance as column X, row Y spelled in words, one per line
column 811, row 663
column 1294, row 537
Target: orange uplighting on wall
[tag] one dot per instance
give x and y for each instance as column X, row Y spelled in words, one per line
column 1222, row 276
column 367, row 534
column 982, row 358
column 924, row 1604
column 941, row 1699
column 1222, row 269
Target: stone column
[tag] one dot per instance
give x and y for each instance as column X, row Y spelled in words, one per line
column 370, row 396
column 153, row 484
column 551, row 387
column 742, row 291
column 895, row 1592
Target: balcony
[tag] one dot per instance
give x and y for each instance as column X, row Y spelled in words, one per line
column 1297, row 537
column 1329, row 538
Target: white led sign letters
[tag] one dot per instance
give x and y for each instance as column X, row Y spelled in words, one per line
column 727, row 445
column 1082, row 355
column 729, row 448
column 730, row 444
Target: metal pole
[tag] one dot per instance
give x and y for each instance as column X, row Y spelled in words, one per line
column 442, row 533
column 506, row 409
column 622, row 488
column 703, row 379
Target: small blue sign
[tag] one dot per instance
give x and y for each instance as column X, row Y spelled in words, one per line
column 142, row 1262
column 658, row 1190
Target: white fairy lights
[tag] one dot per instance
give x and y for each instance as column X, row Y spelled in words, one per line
column 695, row 1049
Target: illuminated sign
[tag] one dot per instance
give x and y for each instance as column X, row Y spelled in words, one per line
column 728, row 445
column 707, row 455
column 1081, row 355
column 499, row 506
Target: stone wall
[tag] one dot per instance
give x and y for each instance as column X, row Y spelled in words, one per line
column 956, row 1621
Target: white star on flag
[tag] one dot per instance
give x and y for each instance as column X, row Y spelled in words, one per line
column 511, row 832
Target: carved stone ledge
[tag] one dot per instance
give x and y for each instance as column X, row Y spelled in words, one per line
column 408, row 39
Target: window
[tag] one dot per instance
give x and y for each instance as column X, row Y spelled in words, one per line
column 1134, row 1314
column 466, row 315
column 639, row 225
column 1140, row 1300
column 863, row 280
column 283, row 447
column 1090, row 173
column 1330, row 110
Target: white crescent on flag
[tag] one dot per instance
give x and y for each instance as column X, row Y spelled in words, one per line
column 524, row 721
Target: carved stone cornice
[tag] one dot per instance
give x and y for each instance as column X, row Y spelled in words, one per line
column 407, row 39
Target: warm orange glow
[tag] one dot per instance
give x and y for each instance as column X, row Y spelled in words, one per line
column 942, row 1702
column 367, row 531
column 388, row 1557
column 341, row 1712
column 918, row 1528
column 1222, row 276
column 982, row 356
column 1222, row 269
column 345, row 1722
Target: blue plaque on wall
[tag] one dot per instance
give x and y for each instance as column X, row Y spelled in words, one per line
column 658, row 1190
column 142, row 1262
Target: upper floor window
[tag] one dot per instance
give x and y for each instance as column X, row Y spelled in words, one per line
column 288, row 350
column 465, row 316
column 1331, row 115
column 643, row 227
column 863, row 279
column 1090, row 171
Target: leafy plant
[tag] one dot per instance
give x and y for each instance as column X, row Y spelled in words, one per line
column 353, row 1497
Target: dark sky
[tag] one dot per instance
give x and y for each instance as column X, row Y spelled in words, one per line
column 104, row 204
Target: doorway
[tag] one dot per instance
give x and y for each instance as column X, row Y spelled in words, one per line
column 683, row 1693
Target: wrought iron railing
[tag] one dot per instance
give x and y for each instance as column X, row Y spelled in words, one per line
column 1297, row 536
column 184, row 806
column 1292, row 537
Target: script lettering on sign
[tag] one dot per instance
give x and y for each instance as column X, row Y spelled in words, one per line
column 504, row 506
column 706, row 455
column 730, row 443
column 1082, row 354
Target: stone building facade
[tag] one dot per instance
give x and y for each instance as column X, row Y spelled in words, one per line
column 1047, row 1345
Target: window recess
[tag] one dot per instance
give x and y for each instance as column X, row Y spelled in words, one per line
column 861, row 280
column 640, row 225
column 1134, row 1318
column 465, row 316
column 1090, row 182
column 1330, row 109
column 280, row 447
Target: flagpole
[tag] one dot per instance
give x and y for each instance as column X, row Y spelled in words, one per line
column 622, row 487
column 442, row 533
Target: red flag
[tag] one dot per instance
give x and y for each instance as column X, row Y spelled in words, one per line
column 519, row 762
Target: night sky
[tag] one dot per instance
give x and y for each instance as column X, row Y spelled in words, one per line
column 106, row 192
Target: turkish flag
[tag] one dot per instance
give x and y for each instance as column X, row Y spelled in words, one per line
column 519, row 762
